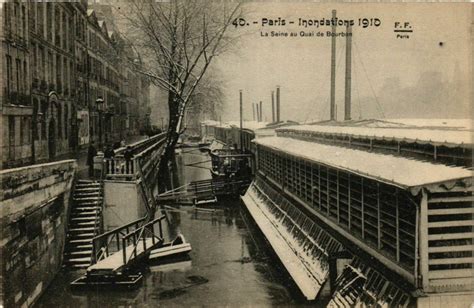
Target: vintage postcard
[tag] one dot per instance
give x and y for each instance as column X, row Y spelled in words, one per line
column 236, row 153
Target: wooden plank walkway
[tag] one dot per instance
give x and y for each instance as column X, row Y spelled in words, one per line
column 115, row 261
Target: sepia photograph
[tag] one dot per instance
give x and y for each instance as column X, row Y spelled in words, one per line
column 223, row 153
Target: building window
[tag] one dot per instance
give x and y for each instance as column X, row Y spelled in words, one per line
column 66, row 122
column 32, row 16
column 23, row 21
column 60, row 126
column 7, row 18
column 25, row 81
column 35, row 61
column 27, row 126
column 49, row 21
column 22, row 130
column 44, row 111
column 42, row 63
column 35, row 119
column 15, row 20
column 65, row 32
column 11, row 131
column 57, row 26
column 17, row 74
column 9, row 74
column 50, row 68
column 58, row 73
column 40, row 12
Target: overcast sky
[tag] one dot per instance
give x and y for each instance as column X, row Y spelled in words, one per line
column 415, row 77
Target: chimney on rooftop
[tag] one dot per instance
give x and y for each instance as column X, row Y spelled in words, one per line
column 333, row 69
column 347, row 98
column 273, row 107
column 278, row 104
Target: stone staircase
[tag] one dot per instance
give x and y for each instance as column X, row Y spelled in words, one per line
column 84, row 223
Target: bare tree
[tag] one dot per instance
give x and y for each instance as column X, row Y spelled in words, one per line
column 177, row 41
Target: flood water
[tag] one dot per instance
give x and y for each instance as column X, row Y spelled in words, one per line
column 229, row 265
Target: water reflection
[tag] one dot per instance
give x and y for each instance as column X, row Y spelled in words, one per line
column 229, row 263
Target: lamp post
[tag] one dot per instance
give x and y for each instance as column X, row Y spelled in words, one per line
column 100, row 103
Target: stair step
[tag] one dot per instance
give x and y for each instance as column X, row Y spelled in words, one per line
column 81, row 241
column 81, row 260
column 76, row 219
column 79, row 196
column 79, row 199
column 77, row 253
column 90, row 183
column 81, row 224
column 87, row 203
column 84, row 214
column 85, row 185
column 86, row 189
column 87, row 208
column 84, row 229
column 88, row 246
column 82, row 235
column 77, row 248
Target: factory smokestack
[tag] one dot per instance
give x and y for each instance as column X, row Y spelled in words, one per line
column 278, row 104
column 273, row 107
column 258, row 112
column 347, row 98
column 333, row 69
column 261, row 111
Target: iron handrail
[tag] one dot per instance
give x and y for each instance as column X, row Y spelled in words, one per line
column 136, row 240
column 99, row 250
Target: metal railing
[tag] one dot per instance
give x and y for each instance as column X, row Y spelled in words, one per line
column 132, row 234
column 144, row 153
column 103, row 245
column 140, row 235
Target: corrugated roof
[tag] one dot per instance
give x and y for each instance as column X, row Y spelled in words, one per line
column 399, row 171
column 420, row 135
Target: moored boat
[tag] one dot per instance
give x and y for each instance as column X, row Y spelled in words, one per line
column 175, row 248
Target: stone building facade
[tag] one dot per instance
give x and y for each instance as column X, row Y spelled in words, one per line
column 57, row 60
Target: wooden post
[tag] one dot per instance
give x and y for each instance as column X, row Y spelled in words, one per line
column 161, row 229
column 327, row 192
column 423, row 242
column 349, row 201
column 337, row 198
column 124, row 254
column 397, row 226
column 362, row 206
column 319, row 184
column 379, row 231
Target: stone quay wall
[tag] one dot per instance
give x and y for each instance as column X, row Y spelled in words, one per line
column 34, row 206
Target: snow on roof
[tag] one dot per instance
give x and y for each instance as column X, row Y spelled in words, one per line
column 419, row 135
column 210, row 122
column 439, row 123
column 399, row 171
column 252, row 125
